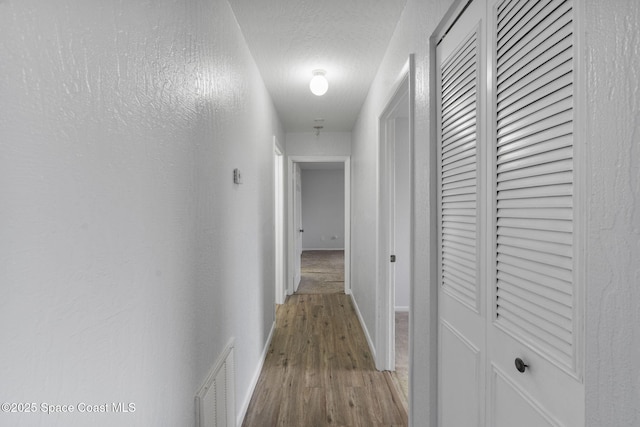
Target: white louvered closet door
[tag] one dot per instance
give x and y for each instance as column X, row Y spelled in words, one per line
column 508, row 294
column 534, row 300
column 461, row 57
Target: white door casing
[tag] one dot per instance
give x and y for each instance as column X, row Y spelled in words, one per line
column 507, row 261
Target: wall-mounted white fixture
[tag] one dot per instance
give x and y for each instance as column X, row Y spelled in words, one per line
column 237, row 177
column 319, row 84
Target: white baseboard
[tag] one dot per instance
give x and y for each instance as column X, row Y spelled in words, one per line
column 256, row 377
column 372, row 349
column 402, row 309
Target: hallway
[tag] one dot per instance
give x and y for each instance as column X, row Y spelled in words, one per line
column 318, row 370
column 147, row 154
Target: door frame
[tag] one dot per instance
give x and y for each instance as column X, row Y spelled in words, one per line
column 403, row 91
column 291, row 231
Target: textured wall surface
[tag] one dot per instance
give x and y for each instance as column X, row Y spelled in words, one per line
column 323, row 209
column 129, row 258
column 612, row 147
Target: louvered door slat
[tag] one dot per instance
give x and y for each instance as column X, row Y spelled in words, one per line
column 517, row 20
column 538, row 163
column 534, row 280
column 559, row 249
column 462, row 110
column 463, row 71
column 541, row 235
column 530, row 48
column 536, row 331
column 546, row 297
column 531, row 30
column 564, row 177
column 458, row 177
column 461, row 122
column 530, row 72
column 543, row 141
column 530, row 94
column 539, row 112
column 466, row 50
column 458, row 90
column 536, row 224
column 468, row 135
column 462, row 248
column 454, row 252
column 519, row 169
column 506, row 10
column 535, row 212
column 541, row 192
column 559, row 321
column 546, row 258
column 458, row 159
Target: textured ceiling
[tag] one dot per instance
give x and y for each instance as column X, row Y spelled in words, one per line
column 291, row 38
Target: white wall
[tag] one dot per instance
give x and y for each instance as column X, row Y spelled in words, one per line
column 323, row 209
column 325, row 144
column 612, row 150
column 129, row 258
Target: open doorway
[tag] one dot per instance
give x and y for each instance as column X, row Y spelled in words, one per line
column 320, row 236
column 395, row 233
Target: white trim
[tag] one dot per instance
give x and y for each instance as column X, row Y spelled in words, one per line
column 402, row 309
column 372, row 348
column 291, row 232
column 254, row 381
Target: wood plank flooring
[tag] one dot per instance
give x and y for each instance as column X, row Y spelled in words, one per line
column 319, row 371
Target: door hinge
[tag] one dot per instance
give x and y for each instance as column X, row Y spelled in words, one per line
column 393, row 258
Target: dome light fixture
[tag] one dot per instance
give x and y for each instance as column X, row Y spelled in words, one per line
column 319, row 84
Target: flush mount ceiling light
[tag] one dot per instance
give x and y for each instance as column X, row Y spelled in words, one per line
column 319, row 84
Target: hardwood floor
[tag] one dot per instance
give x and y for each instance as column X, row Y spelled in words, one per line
column 319, row 371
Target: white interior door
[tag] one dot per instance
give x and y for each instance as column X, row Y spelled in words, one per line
column 298, row 230
column 461, row 138
column 534, row 301
column 510, row 307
